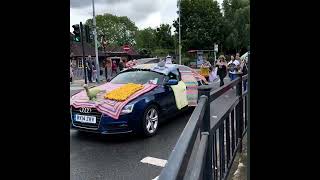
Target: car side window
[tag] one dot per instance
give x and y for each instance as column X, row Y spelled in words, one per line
column 173, row 76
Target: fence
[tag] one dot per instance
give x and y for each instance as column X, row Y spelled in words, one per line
column 212, row 157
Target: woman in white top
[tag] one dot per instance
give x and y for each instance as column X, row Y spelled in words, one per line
column 234, row 67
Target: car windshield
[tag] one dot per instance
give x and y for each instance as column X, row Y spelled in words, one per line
column 138, row 77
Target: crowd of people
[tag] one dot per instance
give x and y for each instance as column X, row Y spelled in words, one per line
column 221, row 68
column 111, row 69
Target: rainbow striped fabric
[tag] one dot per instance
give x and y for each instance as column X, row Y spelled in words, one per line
column 192, row 87
column 106, row 106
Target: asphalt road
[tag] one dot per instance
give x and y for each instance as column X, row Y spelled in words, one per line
column 118, row 157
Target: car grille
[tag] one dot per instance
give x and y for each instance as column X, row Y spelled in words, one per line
column 94, row 112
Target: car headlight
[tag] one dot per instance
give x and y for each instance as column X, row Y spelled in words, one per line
column 127, row 109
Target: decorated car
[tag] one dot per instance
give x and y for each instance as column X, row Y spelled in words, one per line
column 136, row 100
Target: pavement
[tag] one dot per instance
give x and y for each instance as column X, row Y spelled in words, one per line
column 239, row 167
column 77, row 85
column 120, row 157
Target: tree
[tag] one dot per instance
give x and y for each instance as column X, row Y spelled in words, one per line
column 236, row 24
column 164, row 38
column 146, row 39
column 117, row 30
column 201, row 24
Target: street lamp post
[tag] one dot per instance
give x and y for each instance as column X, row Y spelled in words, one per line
column 95, row 42
column 179, row 32
column 83, row 55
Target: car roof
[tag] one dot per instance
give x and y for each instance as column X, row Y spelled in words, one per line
column 156, row 68
column 148, row 60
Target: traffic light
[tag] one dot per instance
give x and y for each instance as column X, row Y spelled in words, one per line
column 76, row 32
column 88, row 34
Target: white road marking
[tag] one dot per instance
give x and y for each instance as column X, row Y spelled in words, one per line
column 156, row 178
column 154, row 161
column 75, row 88
column 215, row 116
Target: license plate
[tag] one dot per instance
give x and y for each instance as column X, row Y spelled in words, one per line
column 86, row 119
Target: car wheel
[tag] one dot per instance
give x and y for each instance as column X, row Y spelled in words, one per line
column 150, row 121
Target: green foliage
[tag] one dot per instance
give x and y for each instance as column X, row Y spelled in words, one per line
column 156, row 42
column 163, row 37
column 117, row 30
column 201, row 24
column 237, row 24
column 146, row 39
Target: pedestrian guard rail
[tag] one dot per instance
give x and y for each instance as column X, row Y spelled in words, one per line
column 207, row 147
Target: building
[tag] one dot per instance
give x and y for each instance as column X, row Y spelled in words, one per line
column 113, row 52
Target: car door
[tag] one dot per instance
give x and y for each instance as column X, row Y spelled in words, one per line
column 170, row 99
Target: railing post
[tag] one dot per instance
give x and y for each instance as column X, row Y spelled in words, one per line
column 239, row 114
column 205, row 127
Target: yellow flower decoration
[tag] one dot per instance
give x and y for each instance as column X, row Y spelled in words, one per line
column 122, row 93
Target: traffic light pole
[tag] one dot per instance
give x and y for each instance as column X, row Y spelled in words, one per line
column 95, row 42
column 83, row 54
column 180, row 32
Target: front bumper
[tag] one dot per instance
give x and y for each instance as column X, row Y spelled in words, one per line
column 126, row 123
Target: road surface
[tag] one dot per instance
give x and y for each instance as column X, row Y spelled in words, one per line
column 120, row 157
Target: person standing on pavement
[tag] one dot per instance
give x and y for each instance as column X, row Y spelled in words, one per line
column 108, row 70
column 222, row 69
column 233, row 67
column 94, row 73
column 89, row 71
column 244, row 71
column 231, row 60
column 71, row 72
column 114, row 67
column 205, row 69
column 121, row 65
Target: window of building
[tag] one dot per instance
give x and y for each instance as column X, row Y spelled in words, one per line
column 80, row 63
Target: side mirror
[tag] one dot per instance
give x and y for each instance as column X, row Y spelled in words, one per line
column 172, row 82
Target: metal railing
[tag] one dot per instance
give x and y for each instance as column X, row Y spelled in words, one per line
column 212, row 157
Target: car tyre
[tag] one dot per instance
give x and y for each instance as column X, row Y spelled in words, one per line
column 150, row 121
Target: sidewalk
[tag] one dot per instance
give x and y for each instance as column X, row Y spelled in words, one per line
column 239, row 168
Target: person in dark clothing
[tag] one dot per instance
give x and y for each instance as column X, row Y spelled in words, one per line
column 89, row 70
column 94, row 73
column 121, row 65
column 244, row 70
column 222, row 69
column 108, row 70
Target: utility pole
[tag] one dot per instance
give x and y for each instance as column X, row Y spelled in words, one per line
column 83, row 54
column 96, row 43
column 180, row 32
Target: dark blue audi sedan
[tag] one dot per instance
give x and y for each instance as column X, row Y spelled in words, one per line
column 168, row 89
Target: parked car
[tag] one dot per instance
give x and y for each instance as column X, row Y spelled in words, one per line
column 143, row 111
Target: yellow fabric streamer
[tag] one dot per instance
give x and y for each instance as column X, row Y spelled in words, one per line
column 123, row 92
column 180, row 94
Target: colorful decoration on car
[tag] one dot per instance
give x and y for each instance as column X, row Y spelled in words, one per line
column 124, row 92
column 131, row 63
column 92, row 93
column 109, row 107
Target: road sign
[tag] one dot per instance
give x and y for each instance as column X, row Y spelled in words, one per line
column 216, row 48
column 126, row 48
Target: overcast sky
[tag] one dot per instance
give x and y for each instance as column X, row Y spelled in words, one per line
column 144, row 13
